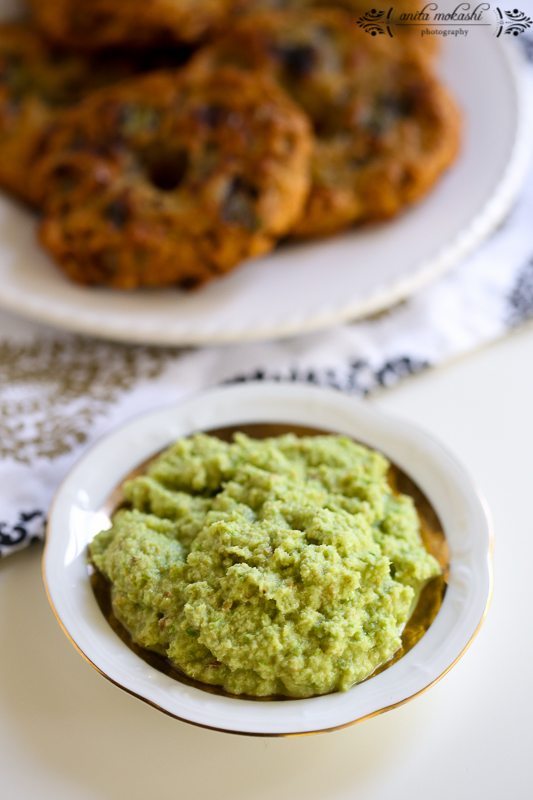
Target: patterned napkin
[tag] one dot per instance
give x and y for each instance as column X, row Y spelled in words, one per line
column 59, row 392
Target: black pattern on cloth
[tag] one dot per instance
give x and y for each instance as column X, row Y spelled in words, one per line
column 29, row 528
column 357, row 377
column 521, row 297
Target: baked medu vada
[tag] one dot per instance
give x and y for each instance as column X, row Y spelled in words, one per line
column 385, row 127
column 173, row 178
column 38, row 81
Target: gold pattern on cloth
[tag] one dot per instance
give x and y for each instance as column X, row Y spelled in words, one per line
column 52, row 390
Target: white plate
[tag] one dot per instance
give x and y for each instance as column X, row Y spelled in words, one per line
column 75, row 520
column 304, row 287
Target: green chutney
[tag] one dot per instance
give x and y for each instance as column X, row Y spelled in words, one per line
column 282, row 566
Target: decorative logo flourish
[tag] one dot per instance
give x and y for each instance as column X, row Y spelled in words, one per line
column 460, row 21
column 371, row 22
column 516, row 23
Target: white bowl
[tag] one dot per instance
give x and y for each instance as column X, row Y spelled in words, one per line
column 75, row 519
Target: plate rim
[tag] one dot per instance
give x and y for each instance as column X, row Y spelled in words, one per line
column 331, row 402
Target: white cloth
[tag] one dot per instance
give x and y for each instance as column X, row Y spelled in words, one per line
column 59, row 393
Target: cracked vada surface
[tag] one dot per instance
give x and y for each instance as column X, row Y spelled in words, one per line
column 93, row 24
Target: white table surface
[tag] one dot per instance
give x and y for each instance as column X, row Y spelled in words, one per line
column 68, row 734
